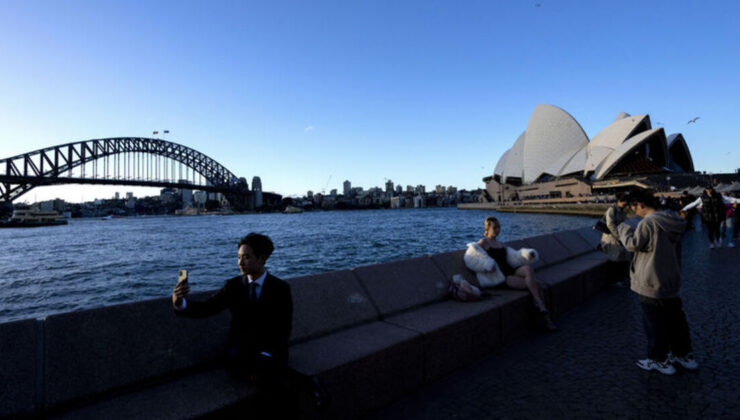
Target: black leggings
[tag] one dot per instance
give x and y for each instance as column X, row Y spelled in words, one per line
column 713, row 229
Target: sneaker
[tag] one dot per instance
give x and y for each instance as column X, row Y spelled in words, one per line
column 688, row 361
column 719, row 243
column 711, row 245
column 665, row 368
column 731, row 244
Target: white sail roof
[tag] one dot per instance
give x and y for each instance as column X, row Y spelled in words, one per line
column 611, row 137
column 623, row 150
column 553, row 137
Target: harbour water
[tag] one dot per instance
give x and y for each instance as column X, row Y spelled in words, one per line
column 93, row 262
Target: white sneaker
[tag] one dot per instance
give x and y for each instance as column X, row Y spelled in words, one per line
column 665, row 368
column 688, row 361
column 731, row 244
column 711, row 245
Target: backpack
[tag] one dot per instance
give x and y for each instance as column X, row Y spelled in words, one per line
column 462, row 290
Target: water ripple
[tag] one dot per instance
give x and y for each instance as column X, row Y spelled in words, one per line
column 93, row 262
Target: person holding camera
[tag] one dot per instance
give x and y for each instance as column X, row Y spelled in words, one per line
column 656, row 278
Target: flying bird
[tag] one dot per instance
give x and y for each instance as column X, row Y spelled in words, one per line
column 693, row 121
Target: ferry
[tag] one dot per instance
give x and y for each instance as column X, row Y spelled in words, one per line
column 291, row 209
column 33, row 218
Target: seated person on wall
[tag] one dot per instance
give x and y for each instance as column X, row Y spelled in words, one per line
column 494, row 263
column 610, row 244
column 260, row 304
column 261, row 319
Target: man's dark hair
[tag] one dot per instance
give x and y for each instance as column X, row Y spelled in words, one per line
column 621, row 196
column 645, row 197
column 260, row 244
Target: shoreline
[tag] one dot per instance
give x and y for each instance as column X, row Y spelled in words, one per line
column 585, row 209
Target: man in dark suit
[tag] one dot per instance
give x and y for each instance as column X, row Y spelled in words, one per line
column 261, row 316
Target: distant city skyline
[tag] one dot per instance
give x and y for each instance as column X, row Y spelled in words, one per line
column 307, row 95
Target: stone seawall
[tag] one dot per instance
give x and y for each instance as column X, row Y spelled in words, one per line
column 585, row 209
column 372, row 334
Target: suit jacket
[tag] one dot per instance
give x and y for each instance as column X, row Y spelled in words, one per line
column 256, row 326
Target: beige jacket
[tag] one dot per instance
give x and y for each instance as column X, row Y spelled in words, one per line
column 655, row 270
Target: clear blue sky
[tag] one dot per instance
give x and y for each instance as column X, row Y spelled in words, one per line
column 421, row 92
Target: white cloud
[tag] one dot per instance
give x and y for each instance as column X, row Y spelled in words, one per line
column 309, row 128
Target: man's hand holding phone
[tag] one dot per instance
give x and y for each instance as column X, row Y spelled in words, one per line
column 181, row 288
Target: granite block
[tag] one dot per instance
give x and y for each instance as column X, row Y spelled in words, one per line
column 327, row 302
column 96, row 350
column 592, row 236
column 452, row 263
column 193, row 396
column 400, row 285
column 564, row 286
column 18, row 364
column 516, row 310
column 363, row 367
column 551, row 251
column 449, row 329
column 573, row 242
column 597, row 275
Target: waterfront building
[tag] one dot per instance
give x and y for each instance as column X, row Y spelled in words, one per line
column 309, row 195
column 389, row 187
column 421, row 189
column 347, row 188
column 439, row 189
column 333, row 193
column 553, row 157
column 257, row 189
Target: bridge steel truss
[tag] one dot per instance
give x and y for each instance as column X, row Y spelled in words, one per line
column 19, row 174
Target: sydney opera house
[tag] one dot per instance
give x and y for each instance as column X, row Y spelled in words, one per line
column 553, row 157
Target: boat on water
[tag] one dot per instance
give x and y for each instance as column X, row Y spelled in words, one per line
column 33, row 218
column 291, row 209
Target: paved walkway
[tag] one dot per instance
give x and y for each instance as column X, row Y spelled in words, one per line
column 587, row 370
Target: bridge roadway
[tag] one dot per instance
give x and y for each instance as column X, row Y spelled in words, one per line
column 587, row 370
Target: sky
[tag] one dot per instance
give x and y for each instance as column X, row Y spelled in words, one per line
column 308, row 94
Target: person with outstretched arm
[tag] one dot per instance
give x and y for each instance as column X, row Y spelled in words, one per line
column 655, row 276
column 712, row 204
column 261, row 309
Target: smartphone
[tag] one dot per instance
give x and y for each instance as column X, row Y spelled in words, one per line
column 182, row 275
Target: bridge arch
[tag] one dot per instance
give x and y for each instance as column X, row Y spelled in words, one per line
column 21, row 173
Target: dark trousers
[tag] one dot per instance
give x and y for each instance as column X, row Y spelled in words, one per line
column 713, row 230
column 278, row 386
column 666, row 327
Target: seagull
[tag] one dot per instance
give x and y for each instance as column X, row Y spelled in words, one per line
column 693, row 121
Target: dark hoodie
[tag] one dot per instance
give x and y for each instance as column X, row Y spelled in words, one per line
column 655, row 270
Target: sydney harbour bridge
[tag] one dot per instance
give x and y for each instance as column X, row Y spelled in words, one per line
column 132, row 161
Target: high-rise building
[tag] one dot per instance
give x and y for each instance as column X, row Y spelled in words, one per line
column 257, row 189
column 399, row 189
column 389, row 187
column 420, row 189
column 347, row 187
